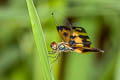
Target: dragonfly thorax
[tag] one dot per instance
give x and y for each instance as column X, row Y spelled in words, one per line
column 61, row 47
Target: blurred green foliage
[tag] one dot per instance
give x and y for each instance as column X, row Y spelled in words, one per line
column 18, row 54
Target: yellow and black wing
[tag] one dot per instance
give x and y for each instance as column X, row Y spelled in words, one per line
column 75, row 36
column 64, row 33
column 79, row 40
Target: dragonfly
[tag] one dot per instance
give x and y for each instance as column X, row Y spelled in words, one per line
column 74, row 39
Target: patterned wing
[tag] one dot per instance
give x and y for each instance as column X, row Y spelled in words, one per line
column 64, row 33
column 79, row 40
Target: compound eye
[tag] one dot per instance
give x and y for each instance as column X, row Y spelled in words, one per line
column 53, row 45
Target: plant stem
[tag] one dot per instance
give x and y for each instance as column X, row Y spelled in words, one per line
column 40, row 41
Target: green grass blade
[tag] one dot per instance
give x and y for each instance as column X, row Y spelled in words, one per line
column 40, row 41
column 117, row 69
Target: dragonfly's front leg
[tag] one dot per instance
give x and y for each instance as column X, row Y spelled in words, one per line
column 57, row 57
column 51, row 54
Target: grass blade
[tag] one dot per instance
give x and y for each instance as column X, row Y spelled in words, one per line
column 40, row 41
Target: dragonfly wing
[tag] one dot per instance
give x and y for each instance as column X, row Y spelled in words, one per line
column 64, row 33
column 76, row 37
column 79, row 38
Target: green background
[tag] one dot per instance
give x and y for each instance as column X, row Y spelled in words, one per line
column 18, row 54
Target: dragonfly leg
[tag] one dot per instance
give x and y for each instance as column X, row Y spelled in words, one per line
column 51, row 54
column 57, row 57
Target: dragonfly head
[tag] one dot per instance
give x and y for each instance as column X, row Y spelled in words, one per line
column 53, row 45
